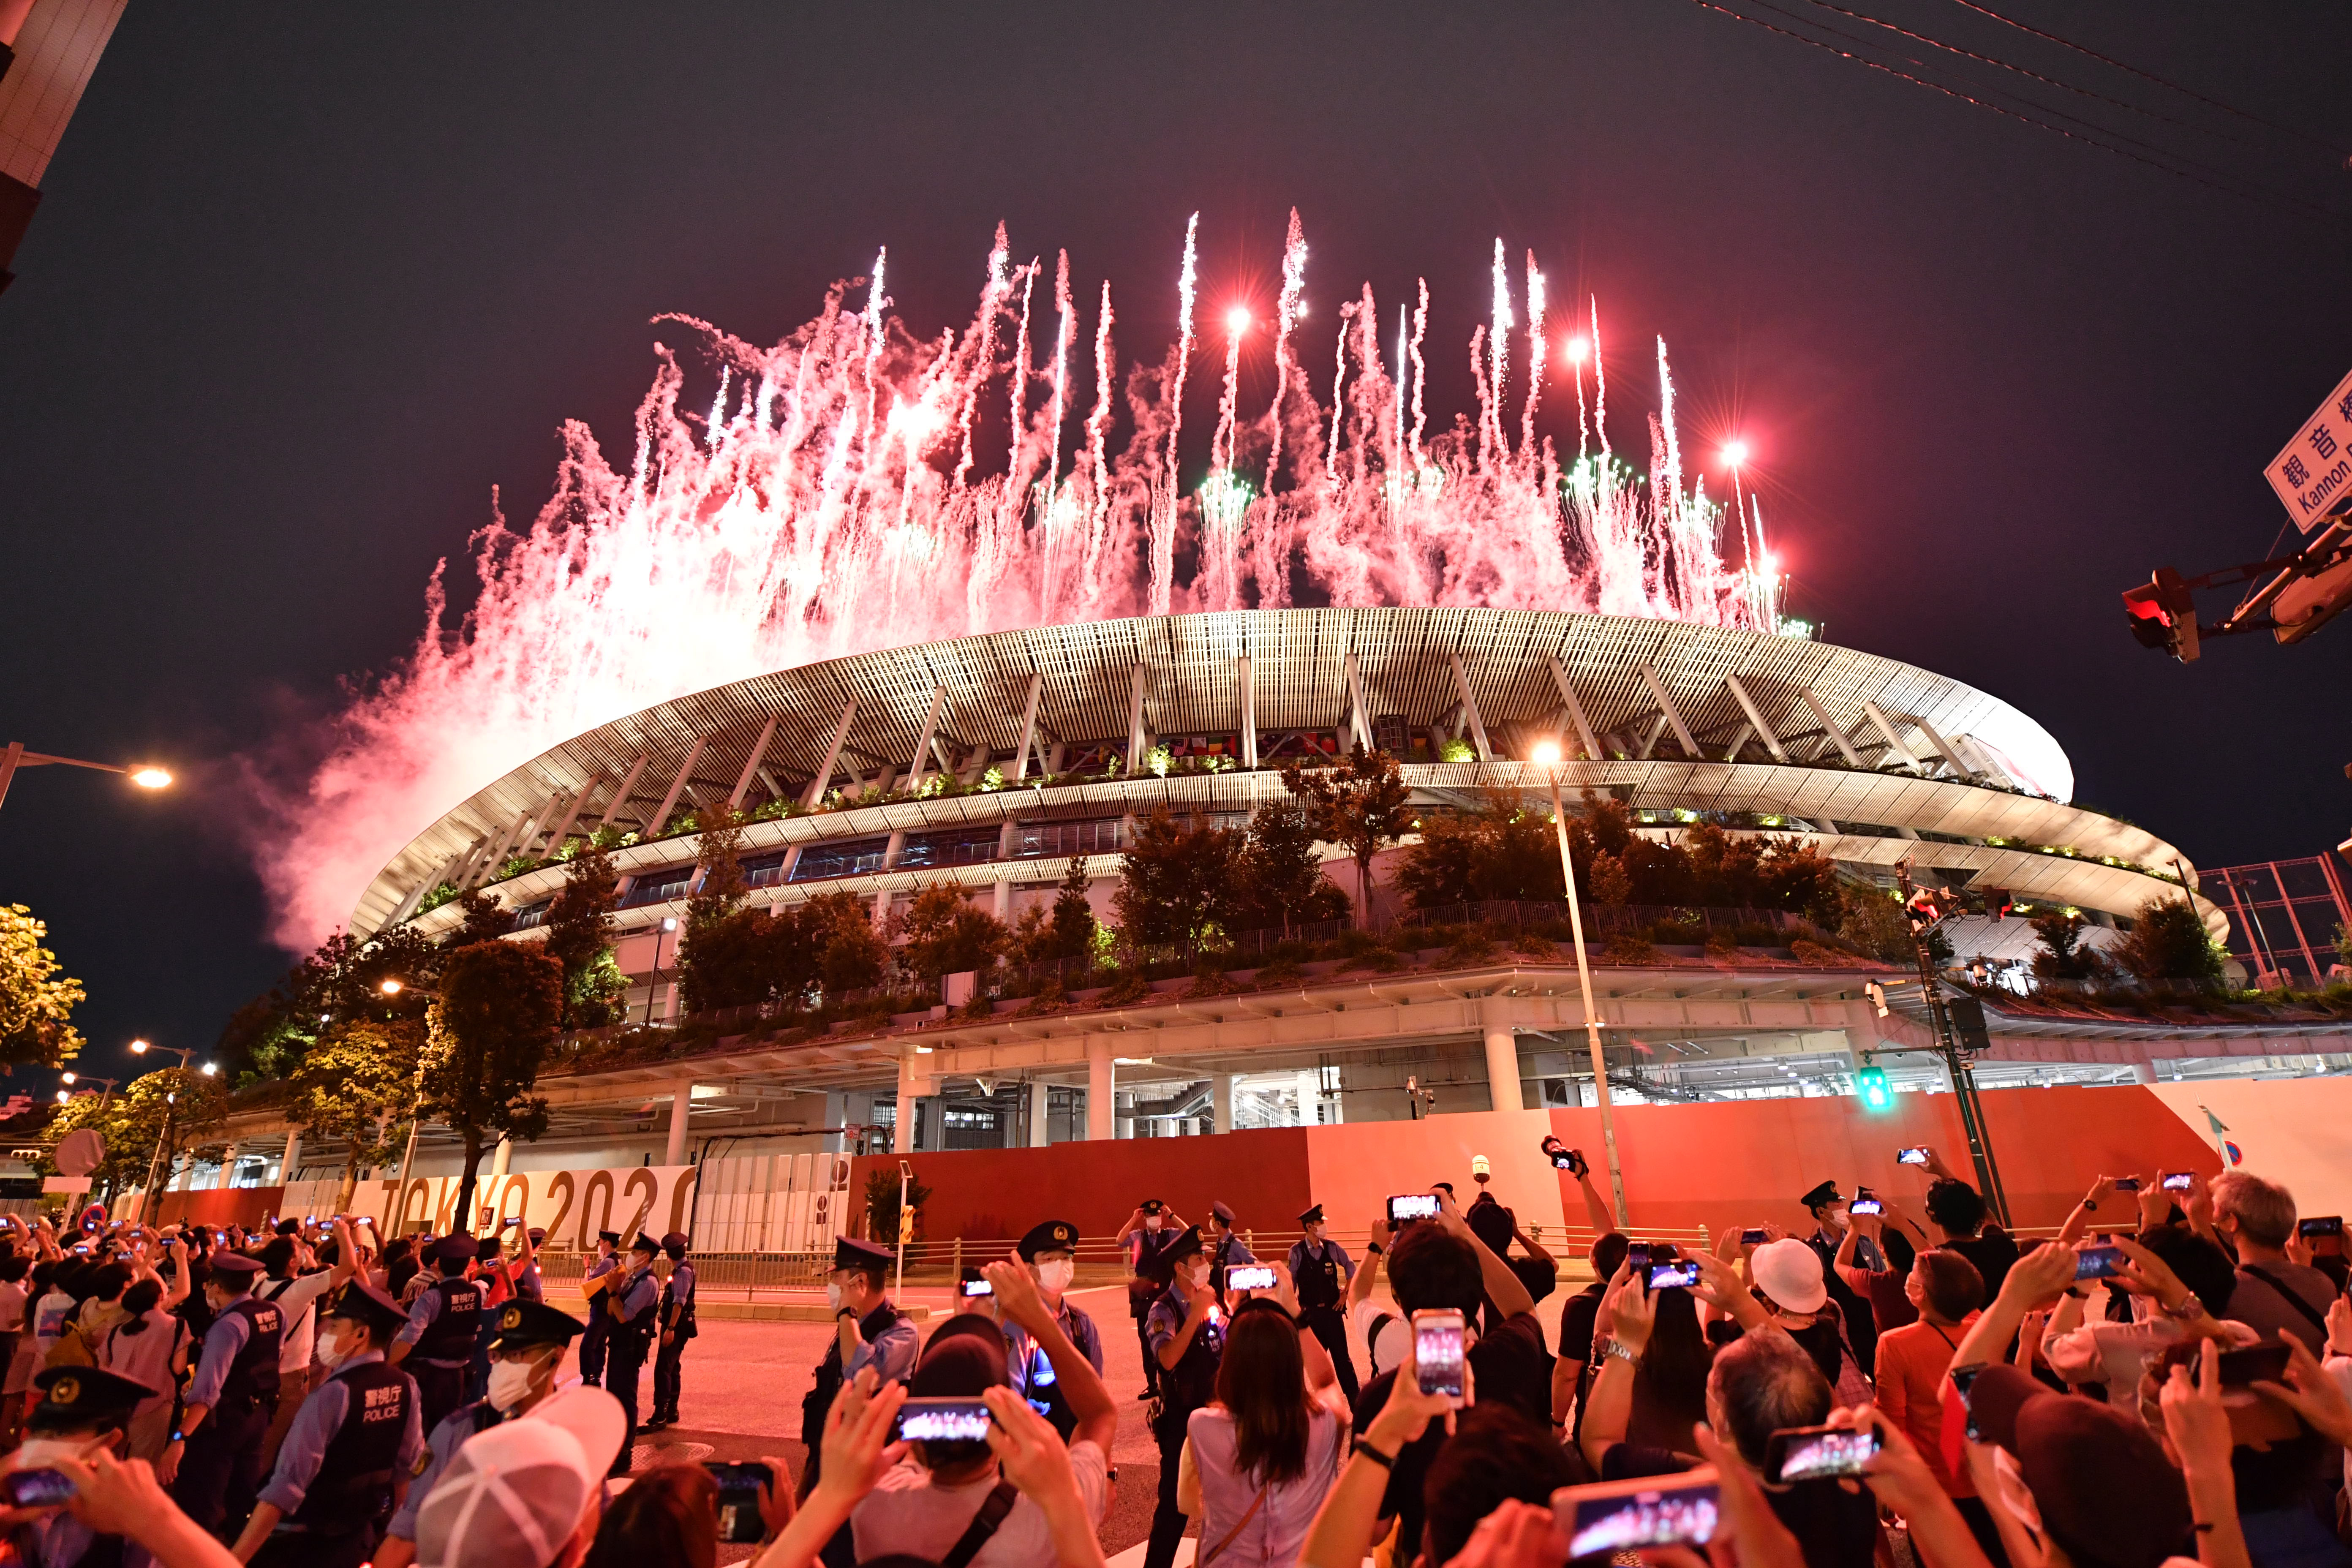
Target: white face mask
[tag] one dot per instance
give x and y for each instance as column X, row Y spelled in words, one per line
column 38, row 1452
column 1200, row 1277
column 1152, row 1222
column 833, row 1295
column 334, row 1350
column 510, row 1382
column 1055, row 1274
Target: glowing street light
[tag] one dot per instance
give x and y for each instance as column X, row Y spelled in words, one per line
column 1548, row 755
column 146, row 776
column 391, row 987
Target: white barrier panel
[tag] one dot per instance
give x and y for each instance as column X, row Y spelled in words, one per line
column 771, row 1202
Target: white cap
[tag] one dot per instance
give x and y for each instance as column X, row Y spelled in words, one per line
column 514, row 1494
column 1789, row 1271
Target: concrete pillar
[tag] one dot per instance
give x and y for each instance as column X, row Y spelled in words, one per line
column 227, row 1177
column 503, row 1157
column 1123, row 1116
column 1339, row 1096
column 681, row 1097
column 1310, row 1094
column 184, row 1179
column 1099, row 1088
column 287, row 1166
column 1221, row 1100
column 1041, row 1115
column 2143, row 1072
column 1004, row 898
column 911, row 1086
column 934, row 1113
column 1502, row 1059
column 881, row 909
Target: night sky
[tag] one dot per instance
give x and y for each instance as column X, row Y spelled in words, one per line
column 307, row 283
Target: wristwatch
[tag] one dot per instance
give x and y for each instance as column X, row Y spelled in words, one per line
column 2189, row 1308
column 1619, row 1348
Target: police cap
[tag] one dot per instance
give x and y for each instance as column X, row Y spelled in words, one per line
column 521, row 1322
column 362, row 1302
column 83, row 1397
column 848, row 1252
column 1050, row 1236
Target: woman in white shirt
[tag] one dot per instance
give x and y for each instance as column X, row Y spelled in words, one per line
column 148, row 1346
column 1258, row 1462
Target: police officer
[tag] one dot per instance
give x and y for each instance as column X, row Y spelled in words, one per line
column 1187, row 1335
column 526, row 1358
column 215, row 1456
column 677, row 1328
column 1320, row 1270
column 1226, row 1248
column 81, row 1411
column 355, row 1437
column 442, row 1328
column 528, row 1284
column 631, row 1302
column 1831, row 1218
column 1150, row 1226
column 1050, row 1249
column 591, row 1342
column 867, row 1331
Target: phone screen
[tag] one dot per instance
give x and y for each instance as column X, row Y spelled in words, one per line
column 1249, row 1277
column 1911, row 1156
column 2320, row 1224
column 2179, row 1182
column 1437, row 1353
column 2097, row 1262
column 1964, row 1378
column 1865, row 1205
column 2127, row 1184
column 1819, row 1452
column 1600, row 1521
column 972, row 1287
column 1413, row 1206
column 40, row 1488
column 1673, row 1276
column 2255, row 1364
column 739, row 1498
column 942, row 1421
column 1754, row 1236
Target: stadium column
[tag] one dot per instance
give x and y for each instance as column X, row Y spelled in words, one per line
column 1310, row 1095
column 681, row 1102
column 503, row 1157
column 1100, row 1089
column 287, row 1167
column 910, row 1090
column 1040, row 1114
column 1502, row 1057
column 1221, row 1100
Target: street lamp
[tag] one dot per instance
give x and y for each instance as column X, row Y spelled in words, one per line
column 393, row 985
column 1547, row 753
column 653, row 981
column 171, row 1107
column 146, row 776
column 67, row 1077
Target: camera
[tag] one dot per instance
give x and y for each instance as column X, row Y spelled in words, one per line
column 1437, row 1358
column 1673, row 1276
column 1911, row 1156
column 1622, row 1516
column 2127, row 1184
column 1865, row 1205
column 2098, row 1262
column 942, row 1421
column 969, row 1289
column 2320, row 1224
column 739, row 1498
column 1754, row 1236
column 2179, row 1180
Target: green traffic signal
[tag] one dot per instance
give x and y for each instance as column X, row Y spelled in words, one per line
column 1875, row 1092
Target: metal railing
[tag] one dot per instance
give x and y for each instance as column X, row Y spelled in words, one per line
column 1606, row 919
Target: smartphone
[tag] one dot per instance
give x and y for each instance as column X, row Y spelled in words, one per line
column 2255, row 1364
column 1754, row 1236
column 2320, row 1224
column 942, row 1421
column 1623, row 1516
column 1249, row 1277
column 1911, row 1156
column 1673, row 1276
column 1412, row 1207
column 1865, row 1205
column 2098, row 1262
column 739, row 1498
column 1437, row 1353
column 2127, row 1184
column 1818, row 1453
column 969, row 1289
column 1637, row 1257
column 1963, row 1378
column 2179, row 1182
column 37, row 1488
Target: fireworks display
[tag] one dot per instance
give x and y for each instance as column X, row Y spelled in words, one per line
column 833, row 499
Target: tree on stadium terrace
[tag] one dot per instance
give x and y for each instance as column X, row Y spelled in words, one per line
column 341, row 982
column 1503, row 850
column 2064, row 955
column 1358, row 804
column 718, row 885
column 721, row 953
column 501, row 1004
column 580, row 933
column 821, row 950
column 356, row 1086
column 1067, row 930
column 943, row 933
column 36, row 1001
column 484, row 918
column 1872, row 920
column 135, row 1121
column 1176, row 881
column 1283, row 883
column 2168, row 940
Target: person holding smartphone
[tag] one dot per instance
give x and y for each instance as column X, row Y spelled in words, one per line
column 1151, row 1224
column 1186, row 1332
column 1049, row 1249
column 78, row 1413
column 602, row 1267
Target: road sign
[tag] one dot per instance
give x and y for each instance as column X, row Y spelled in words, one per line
column 2313, row 473
column 65, row 1183
column 80, row 1152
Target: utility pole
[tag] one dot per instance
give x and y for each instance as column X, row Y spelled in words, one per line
column 1926, row 915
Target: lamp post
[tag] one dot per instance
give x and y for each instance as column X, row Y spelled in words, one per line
column 146, row 776
column 394, row 987
column 1547, row 753
column 653, row 981
column 171, row 1106
column 104, row 1100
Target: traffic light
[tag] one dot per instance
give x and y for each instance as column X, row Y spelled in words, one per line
column 2164, row 615
column 1923, row 910
column 1877, row 994
column 1999, row 905
column 1871, row 1087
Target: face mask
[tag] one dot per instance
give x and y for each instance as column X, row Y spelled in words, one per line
column 333, row 1352
column 1152, row 1222
column 37, row 1452
column 510, row 1381
column 1200, row 1277
column 1056, row 1274
column 833, row 1296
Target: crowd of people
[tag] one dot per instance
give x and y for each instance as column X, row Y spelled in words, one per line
column 2167, row 1377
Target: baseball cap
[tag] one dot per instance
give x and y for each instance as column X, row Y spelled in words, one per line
column 1789, row 1271
column 516, row 1491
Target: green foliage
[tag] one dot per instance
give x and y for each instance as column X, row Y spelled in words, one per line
column 485, row 918
column 1176, row 879
column 441, row 894
column 341, row 982
column 154, row 1119
column 501, row 1004
column 1874, row 922
column 1281, row 881
column 1360, row 805
column 2062, row 955
column 720, row 889
column 1457, row 751
column 2344, row 945
column 1071, row 928
column 36, row 1001
column 943, row 932
column 882, row 1196
column 790, row 958
column 357, row 1084
column 580, row 931
column 2169, row 941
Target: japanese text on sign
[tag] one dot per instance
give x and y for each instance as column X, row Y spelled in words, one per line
column 2313, row 475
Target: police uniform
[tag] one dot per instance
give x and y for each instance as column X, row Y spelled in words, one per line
column 591, row 1344
column 632, row 1302
column 237, row 1383
column 1032, row 1371
column 496, row 1281
column 1861, row 1326
column 676, row 1326
column 355, row 1437
column 76, row 1400
column 1185, row 1387
column 1142, row 1290
column 1229, row 1250
column 888, row 1346
column 442, row 1329
column 520, row 1325
column 1320, row 1275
